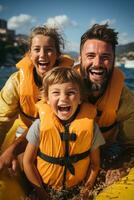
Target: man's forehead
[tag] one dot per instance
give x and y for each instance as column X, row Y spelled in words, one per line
column 93, row 45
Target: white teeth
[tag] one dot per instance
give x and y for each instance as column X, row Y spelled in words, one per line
column 96, row 71
column 63, row 106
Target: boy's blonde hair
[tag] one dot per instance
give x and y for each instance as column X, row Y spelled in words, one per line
column 59, row 75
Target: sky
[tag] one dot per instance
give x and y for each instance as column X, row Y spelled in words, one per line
column 73, row 17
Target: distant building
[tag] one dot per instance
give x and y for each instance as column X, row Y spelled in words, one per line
column 5, row 33
column 3, row 24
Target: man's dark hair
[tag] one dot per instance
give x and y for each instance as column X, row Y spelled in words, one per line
column 100, row 32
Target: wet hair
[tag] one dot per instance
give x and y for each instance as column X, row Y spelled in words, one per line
column 50, row 32
column 100, row 32
column 59, row 75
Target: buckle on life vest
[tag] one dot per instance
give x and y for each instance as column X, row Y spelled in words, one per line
column 67, row 137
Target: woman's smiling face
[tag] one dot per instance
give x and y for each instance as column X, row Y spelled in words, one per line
column 43, row 54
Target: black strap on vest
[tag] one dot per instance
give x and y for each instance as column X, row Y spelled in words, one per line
column 62, row 161
column 105, row 128
column 28, row 116
column 65, row 136
column 67, row 160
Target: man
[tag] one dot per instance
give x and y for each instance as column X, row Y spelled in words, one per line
column 105, row 86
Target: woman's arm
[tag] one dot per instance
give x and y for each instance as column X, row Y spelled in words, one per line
column 9, row 104
column 31, row 171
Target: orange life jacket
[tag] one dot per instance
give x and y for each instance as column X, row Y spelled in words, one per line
column 107, row 105
column 29, row 92
column 52, row 144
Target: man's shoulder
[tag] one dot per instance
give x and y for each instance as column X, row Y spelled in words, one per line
column 127, row 93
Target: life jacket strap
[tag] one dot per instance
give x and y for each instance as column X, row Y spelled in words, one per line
column 65, row 161
column 67, row 137
column 28, row 116
column 107, row 128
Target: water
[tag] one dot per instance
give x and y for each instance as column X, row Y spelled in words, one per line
column 5, row 72
column 129, row 74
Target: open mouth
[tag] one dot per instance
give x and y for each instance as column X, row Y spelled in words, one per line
column 98, row 72
column 43, row 65
column 64, row 108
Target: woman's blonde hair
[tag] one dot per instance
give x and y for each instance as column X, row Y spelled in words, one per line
column 50, row 32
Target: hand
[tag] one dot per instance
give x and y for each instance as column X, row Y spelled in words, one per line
column 41, row 193
column 114, row 175
column 84, row 193
column 8, row 160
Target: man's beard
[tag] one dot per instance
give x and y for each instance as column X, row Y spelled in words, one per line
column 93, row 87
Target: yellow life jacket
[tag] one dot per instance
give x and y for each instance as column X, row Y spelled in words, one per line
column 53, row 145
column 29, row 92
column 107, row 105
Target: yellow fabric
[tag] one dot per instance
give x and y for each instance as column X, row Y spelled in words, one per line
column 51, row 144
column 10, row 96
column 11, row 187
column 10, row 136
column 123, row 189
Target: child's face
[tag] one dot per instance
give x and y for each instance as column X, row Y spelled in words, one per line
column 43, row 54
column 64, row 99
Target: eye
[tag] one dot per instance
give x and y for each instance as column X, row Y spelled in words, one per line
column 90, row 55
column 36, row 49
column 72, row 92
column 106, row 57
column 50, row 50
column 55, row 93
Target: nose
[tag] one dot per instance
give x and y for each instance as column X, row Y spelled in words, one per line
column 43, row 53
column 63, row 96
column 97, row 61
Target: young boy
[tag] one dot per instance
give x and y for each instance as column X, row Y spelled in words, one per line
column 65, row 140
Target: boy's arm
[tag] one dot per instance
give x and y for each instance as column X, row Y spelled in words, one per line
column 31, row 171
column 92, row 174
column 94, row 168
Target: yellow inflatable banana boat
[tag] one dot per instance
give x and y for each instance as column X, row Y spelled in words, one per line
column 12, row 188
column 123, row 189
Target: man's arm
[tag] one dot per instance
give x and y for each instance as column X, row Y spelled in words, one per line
column 94, row 168
column 125, row 117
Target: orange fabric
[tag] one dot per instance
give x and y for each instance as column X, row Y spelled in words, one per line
column 109, row 102
column 29, row 92
column 51, row 144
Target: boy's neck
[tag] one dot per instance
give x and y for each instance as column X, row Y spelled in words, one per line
column 67, row 122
